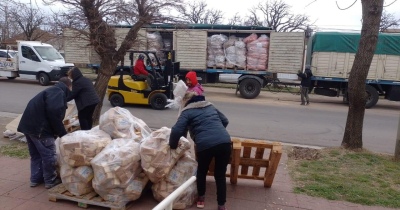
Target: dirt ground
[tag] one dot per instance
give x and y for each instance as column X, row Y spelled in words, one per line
column 303, row 153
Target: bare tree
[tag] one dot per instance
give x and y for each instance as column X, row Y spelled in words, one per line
column 99, row 15
column 235, row 20
column 197, row 12
column 277, row 15
column 388, row 20
column 29, row 19
column 8, row 27
column 371, row 16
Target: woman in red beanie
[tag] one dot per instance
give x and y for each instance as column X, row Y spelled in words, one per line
column 193, row 84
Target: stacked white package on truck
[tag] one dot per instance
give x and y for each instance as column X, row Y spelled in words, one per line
column 240, row 49
column 118, row 176
column 76, row 151
column 155, row 43
column 235, row 52
column 215, row 51
column 185, row 168
column 230, row 52
column 120, row 123
column 157, row 158
column 257, row 52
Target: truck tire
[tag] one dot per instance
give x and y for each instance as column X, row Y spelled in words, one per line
column 10, row 77
column 372, row 96
column 158, row 101
column 249, row 88
column 44, row 79
column 117, row 100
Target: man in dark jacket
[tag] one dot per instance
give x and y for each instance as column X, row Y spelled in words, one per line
column 305, row 84
column 86, row 98
column 207, row 127
column 41, row 122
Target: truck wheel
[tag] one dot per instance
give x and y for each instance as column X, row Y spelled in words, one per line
column 249, row 88
column 44, row 79
column 117, row 100
column 158, row 101
column 372, row 96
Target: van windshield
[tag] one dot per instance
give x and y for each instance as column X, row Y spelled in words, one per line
column 48, row 53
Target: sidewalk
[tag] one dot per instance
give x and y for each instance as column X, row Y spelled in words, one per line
column 15, row 192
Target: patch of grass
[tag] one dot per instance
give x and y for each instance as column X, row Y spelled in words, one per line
column 359, row 177
column 17, row 150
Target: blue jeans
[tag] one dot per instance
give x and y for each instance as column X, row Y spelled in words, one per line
column 43, row 159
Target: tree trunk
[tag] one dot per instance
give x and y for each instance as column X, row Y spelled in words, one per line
column 397, row 148
column 107, row 67
column 371, row 15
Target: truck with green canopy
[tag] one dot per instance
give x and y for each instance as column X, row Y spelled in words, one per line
column 331, row 56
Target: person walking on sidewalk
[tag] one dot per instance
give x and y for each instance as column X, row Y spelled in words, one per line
column 305, row 84
column 86, row 98
column 212, row 140
column 41, row 122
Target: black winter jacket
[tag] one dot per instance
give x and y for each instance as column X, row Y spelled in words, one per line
column 82, row 90
column 44, row 114
column 206, row 124
column 305, row 78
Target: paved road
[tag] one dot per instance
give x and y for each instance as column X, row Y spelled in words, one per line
column 270, row 116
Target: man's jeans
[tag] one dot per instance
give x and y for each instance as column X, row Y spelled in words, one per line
column 43, row 159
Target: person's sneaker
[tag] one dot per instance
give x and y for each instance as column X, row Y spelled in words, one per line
column 200, row 202
column 51, row 185
column 308, row 103
column 34, row 184
column 302, row 104
column 222, row 207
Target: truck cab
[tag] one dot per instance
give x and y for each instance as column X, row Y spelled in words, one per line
column 40, row 61
column 36, row 60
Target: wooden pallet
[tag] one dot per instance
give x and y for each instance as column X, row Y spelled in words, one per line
column 59, row 192
column 261, row 157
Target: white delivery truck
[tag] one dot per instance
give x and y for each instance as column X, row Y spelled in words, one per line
column 34, row 60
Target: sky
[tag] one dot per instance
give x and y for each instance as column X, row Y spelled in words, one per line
column 323, row 13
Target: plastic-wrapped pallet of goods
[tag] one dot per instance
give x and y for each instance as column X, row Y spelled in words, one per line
column 230, row 52
column 120, row 123
column 157, row 159
column 240, row 49
column 184, row 169
column 216, row 50
column 155, row 43
column 257, row 52
column 118, row 176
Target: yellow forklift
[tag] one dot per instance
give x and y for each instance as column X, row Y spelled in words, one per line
column 127, row 89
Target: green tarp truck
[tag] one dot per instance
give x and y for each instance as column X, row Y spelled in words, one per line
column 331, row 56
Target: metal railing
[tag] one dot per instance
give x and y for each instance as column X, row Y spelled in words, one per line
column 166, row 204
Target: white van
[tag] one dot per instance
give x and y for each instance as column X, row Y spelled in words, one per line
column 8, row 53
column 34, row 60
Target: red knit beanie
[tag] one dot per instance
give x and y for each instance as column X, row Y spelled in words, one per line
column 191, row 75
